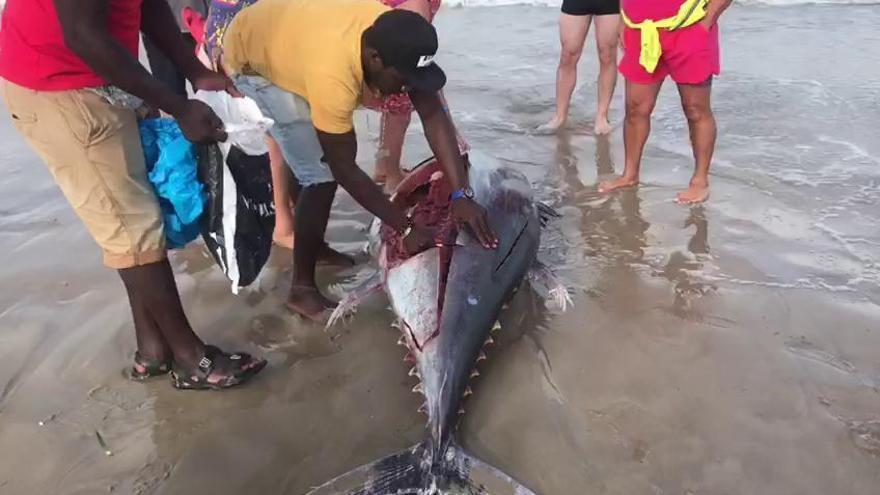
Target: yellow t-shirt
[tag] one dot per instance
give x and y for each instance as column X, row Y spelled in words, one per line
column 311, row 48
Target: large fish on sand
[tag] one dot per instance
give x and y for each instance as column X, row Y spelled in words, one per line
column 447, row 300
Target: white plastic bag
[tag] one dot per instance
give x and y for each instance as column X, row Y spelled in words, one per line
column 244, row 122
column 239, row 212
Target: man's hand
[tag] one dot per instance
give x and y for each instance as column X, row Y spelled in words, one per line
column 199, row 123
column 418, row 239
column 208, row 80
column 468, row 212
column 713, row 12
column 708, row 22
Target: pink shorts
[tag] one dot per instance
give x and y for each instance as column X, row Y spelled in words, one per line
column 690, row 55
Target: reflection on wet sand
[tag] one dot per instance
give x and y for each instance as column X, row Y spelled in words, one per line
column 611, row 229
column 615, row 233
column 684, row 269
column 725, row 349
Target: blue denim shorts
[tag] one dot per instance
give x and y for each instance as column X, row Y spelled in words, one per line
column 293, row 129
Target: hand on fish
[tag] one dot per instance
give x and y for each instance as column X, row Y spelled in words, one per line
column 468, row 212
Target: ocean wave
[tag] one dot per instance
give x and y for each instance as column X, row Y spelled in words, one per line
column 557, row 3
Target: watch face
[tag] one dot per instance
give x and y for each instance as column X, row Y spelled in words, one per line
column 469, row 193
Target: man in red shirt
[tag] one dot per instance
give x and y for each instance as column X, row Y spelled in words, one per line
column 72, row 83
column 679, row 39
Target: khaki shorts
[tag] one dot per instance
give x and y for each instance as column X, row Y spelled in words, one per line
column 94, row 151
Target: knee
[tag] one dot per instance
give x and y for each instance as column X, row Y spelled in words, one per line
column 569, row 57
column 697, row 111
column 608, row 56
column 639, row 109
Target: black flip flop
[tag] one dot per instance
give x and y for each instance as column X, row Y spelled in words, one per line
column 242, row 367
column 146, row 368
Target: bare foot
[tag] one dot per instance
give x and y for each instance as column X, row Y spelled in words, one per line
column 551, row 127
column 697, row 192
column 330, row 257
column 602, row 126
column 284, row 240
column 618, row 183
column 309, row 303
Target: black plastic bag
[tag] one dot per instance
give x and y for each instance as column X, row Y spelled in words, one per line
column 239, row 213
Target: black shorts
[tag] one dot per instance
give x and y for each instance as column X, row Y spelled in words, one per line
column 590, row 7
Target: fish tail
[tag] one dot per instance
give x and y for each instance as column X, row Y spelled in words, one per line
column 417, row 471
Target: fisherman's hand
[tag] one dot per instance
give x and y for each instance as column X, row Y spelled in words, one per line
column 708, row 22
column 199, row 123
column 466, row 211
column 418, row 239
column 207, row 80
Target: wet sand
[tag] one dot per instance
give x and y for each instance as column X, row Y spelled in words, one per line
column 732, row 348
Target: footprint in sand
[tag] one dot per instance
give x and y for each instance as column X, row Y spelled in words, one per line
column 866, row 435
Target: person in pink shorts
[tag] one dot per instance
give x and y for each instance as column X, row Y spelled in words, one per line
column 397, row 110
column 688, row 53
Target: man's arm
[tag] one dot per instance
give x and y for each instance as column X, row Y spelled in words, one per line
column 85, row 33
column 156, row 17
column 440, row 134
column 715, row 9
column 340, row 152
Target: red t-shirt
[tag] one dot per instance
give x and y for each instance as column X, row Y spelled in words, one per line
column 32, row 49
column 639, row 10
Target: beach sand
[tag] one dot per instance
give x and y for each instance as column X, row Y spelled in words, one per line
column 732, row 348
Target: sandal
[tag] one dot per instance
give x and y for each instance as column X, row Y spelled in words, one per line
column 237, row 369
column 146, row 368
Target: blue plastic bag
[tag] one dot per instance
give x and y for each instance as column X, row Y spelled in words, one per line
column 171, row 168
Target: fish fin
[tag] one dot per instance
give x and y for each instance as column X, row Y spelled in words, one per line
column 411, row 472
column 347, row 307
column 550, row 287
column 546, row 213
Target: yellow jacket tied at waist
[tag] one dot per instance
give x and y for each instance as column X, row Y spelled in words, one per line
column 690, row 13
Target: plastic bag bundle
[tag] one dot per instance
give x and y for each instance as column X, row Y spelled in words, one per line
column 239, row 213
column 171, row 168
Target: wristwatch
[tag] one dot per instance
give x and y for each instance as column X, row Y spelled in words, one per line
column 465, row 192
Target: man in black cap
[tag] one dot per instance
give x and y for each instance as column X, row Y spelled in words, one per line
column 307, row 63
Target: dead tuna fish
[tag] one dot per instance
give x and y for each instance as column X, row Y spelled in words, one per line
column 447, row 300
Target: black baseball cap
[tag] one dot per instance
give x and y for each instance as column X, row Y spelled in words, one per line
column 408, row 42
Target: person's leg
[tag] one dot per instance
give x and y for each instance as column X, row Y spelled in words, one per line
column 391, row 138
column 693, row 59
column 573, row 31
column 696, row 102
column 105, row 180
column 281, row 192
column 154, row 297
column 607, row 33
column 286, row 192
column 310, row 224
column 156, row 307
column 151, row 344
column 640, row 100
column 296, row 136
